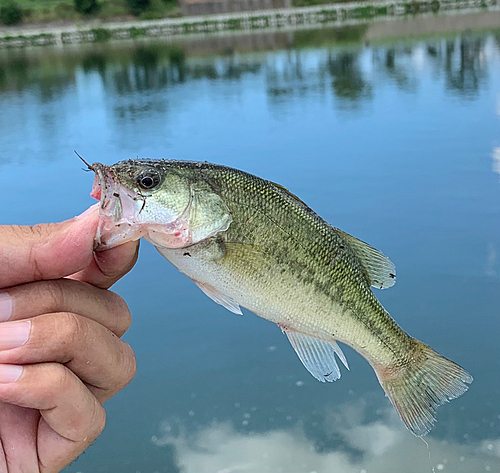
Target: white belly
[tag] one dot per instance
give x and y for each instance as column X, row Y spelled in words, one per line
column 278, row 300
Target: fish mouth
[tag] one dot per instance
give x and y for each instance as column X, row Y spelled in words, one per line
column 118, row 209
column 106, row 189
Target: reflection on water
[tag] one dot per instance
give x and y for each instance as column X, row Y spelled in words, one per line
column 395, row 64
column 347, row 78
column 496, row 160
column 396, row 142
column 129, row 75
column 465, row 71
column 378, row 447
column 154, row 67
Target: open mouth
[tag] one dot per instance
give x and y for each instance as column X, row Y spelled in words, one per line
column 107, row 189
column 118, row 209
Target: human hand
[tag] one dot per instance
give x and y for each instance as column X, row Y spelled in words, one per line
column 60, row 352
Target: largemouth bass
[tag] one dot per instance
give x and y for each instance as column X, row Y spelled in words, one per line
column 248, row 242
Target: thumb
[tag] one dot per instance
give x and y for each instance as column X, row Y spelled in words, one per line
column 48, row 250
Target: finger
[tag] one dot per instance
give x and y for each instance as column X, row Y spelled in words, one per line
column 72, row 416
column 110, row 265
column 96, row 355
column 18, row 443
column 65, row 295
column 46, row 251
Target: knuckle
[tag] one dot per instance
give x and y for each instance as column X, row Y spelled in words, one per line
column 98, row 421
column 120, row 309
column 70, row 327
column 88, row 415
column 128, row 365
column 32, row 231
column 55, row 378
column 42, row 230
column 61, row 378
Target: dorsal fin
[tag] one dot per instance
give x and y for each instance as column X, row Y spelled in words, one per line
column 379, row 268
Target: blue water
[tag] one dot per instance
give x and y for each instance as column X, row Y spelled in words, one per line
column 397, row 143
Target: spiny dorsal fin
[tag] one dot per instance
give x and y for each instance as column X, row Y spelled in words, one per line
column 380, row 269
column 318, row 356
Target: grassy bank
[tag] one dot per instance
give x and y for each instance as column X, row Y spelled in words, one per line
column 66, row 11
column 46, row 11
column 342, row 14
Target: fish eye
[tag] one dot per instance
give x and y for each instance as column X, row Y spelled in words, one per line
column 148, row 179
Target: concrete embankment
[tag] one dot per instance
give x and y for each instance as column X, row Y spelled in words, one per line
column 334, row 14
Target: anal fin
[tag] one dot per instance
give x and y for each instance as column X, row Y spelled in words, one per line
column 318, row 356
column 222, row 299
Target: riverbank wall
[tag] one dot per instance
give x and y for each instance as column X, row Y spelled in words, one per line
column 342, row 13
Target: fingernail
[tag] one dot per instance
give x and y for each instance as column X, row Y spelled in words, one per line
column 88, row 212
column 10, row 373
column 5, row 306
column 14, row 334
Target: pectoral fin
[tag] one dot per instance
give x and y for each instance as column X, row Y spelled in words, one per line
column 222, row 299
column 318, row 356
column 380, row 269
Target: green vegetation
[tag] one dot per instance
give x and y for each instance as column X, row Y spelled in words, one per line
column 101, row 34
column 138, row 6
column 233, row 24
column 86, row 7
column 36, row 11
column 32, row 40
column 11, row 13
column 310, row 3
column 40, row 11
column 136, row 32
column 160, row 9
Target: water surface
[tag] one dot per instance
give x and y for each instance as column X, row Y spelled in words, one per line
column 396, row 142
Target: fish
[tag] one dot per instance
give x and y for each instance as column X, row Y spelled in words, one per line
column 249, row 242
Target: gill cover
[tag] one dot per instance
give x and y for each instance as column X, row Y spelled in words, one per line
column 205, row 215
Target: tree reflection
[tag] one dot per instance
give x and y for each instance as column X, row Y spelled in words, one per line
column 177, row 59
column 464, row 68
column 299, row 70
column 155, row 68
column 292, row 75
column 397, row 65
column 142, row 72
column 48, row 79
column 14, row 73
column 348, row 81
column 94, row 61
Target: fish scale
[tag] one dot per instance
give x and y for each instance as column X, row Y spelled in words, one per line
column 249, row 242
column 300, row 243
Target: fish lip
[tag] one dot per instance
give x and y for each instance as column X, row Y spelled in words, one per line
column 116, row 204
column 110, row 198
column 102, row 171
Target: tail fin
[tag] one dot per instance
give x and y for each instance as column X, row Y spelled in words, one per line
column 417, row 388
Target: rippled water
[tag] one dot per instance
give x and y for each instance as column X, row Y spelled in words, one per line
column 395, row 141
